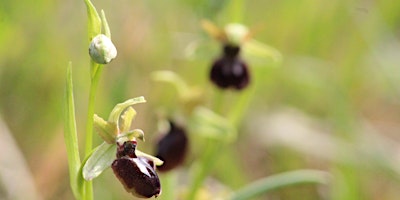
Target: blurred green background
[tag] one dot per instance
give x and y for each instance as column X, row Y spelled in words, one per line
column 332, row 104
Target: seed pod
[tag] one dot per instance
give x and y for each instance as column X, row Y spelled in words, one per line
column 229, row 71
column 136, row 173
column 102, row 50
column 172, row 148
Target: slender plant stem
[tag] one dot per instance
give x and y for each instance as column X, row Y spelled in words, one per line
column 205, row 165
column 211, row 151
column 206, row 161
column 169, row 181
column 96, row 69
column 236, row 9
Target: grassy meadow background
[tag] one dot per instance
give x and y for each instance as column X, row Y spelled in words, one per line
column 333, row 103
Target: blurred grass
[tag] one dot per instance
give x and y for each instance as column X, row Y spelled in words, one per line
column 340, row 67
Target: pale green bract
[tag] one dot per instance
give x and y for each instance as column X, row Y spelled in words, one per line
column 211, row 125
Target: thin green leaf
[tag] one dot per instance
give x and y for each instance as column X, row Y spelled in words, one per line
column 70, row 133
column 156, row 160
column 119, row 108
column 273, row 182
column 101, row 159
column 94, row 22
column 127, row 118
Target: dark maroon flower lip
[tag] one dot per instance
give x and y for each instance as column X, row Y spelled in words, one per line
column 230, row 72
column 136, row 173
column 172, row 148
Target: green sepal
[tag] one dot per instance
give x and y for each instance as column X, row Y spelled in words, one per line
column 185, row 92
column 99, row 160
column 107, row 130
column 172, row 78
column 211, row 125
column 258, row 49
column 119, row 108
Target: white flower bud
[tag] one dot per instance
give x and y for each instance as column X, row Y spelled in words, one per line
column 102, row 50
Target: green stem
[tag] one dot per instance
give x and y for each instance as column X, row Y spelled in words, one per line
column 239, row 107
column 236, row 9
column 210, row 153
column 206, row 164
column 168, row 184
column 96, row 69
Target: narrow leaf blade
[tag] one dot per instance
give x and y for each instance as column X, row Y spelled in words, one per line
column 285, row 179
column 94, row 21
column 70, row 133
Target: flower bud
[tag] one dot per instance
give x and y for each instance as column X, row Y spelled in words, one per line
column 172, row 148
column 136, row 173
column 102, row 50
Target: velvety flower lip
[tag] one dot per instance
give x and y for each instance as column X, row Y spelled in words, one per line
column 172, row 148
column 136, row 173
column 138, row 176
column 230, row 72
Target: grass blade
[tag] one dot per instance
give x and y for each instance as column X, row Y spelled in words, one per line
column 273, row 182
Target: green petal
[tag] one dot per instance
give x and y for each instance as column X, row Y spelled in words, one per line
column 127, row 118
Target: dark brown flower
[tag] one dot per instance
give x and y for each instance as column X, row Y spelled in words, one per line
column 172, row 148
column 229, row 71
column 136, row 173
